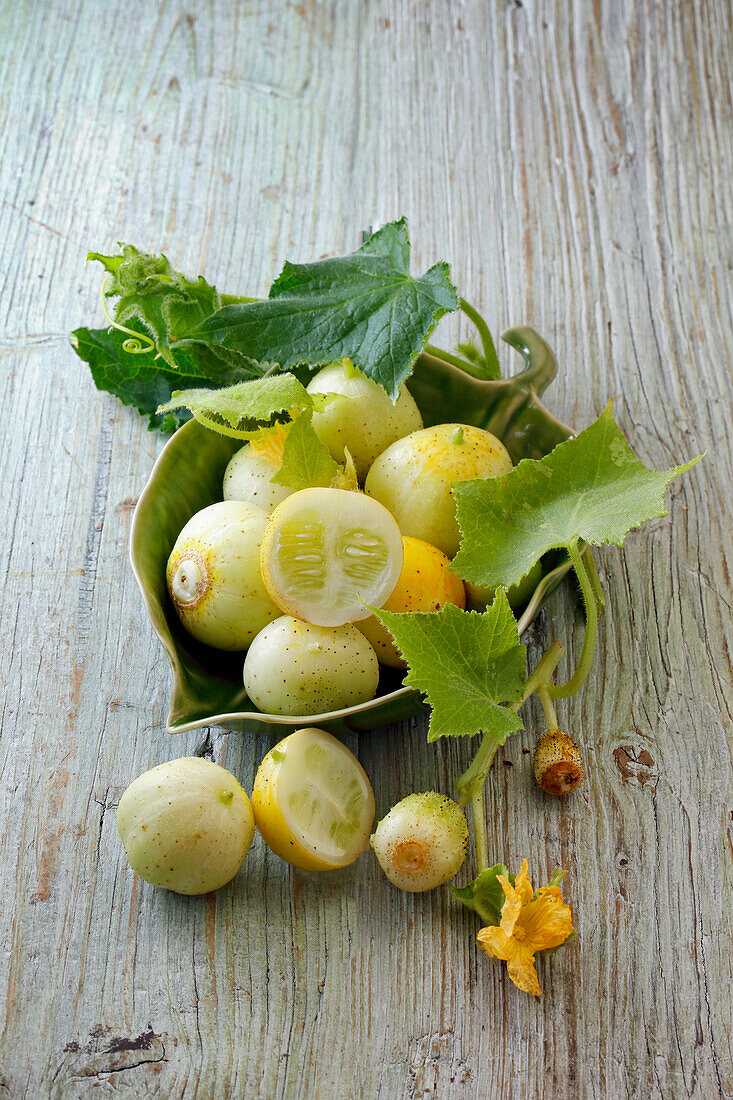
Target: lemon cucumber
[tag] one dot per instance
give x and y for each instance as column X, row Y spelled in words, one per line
column 186, row 825
column 313, row 803
column 326, row 553
column 297, row 668
column 414, row 477
column 213, row 575
column 362, row 419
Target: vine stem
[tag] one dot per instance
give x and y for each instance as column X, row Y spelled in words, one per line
column 595, row 580
column 472, row 781
column 562, row 691
column 548, row 707
column 542, row 673
column 470, row 786
column 479, row 829
column 490, row 357
column 455, row 360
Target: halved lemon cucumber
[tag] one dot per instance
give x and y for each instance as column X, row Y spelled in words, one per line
column 327, row 552
column 312, row 801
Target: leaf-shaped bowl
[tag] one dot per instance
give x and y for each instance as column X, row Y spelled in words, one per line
column 207, row 683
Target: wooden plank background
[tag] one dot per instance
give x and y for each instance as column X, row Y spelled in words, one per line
column 573, row 161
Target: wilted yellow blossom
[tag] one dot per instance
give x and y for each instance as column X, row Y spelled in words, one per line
column 270, row 444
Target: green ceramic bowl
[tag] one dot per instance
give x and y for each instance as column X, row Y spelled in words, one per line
column 207, row 683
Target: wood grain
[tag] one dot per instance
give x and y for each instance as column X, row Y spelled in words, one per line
column 573, row 162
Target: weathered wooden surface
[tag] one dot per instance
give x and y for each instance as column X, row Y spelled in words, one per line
column 573, row 162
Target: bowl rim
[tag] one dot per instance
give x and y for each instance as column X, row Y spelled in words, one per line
column 549, row 581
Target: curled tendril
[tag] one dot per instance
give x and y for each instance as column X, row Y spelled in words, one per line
column 138, row 342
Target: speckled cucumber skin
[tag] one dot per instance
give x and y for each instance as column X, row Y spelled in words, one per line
column 413, row 478
column 186, row 825
column 558, row 766
column 422, row 842
column 248, row 477
column 365, row 421
column 294, row 667
column 231, row 605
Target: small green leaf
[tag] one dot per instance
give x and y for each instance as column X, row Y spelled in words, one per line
column 239, row 410
column 157, row 303
column 466, row 664
column 306, row 460
column 485, row 895
column 365, row 306
column 557, row 877
column 591, row 487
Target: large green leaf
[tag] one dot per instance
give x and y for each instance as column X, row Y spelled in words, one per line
column 366, row 306
column 592, row 487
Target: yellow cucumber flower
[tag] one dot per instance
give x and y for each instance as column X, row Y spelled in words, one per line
column 529, row 923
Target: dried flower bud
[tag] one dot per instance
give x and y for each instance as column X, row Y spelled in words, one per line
column 558, row 767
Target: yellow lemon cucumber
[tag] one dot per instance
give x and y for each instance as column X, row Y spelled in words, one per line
column 413, row 478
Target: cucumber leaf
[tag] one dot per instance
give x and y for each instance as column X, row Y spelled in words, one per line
column 591, row 487
column 240, row 410
column 365, row 306
column 466, row 663
column 485, row 895
column 141, row 379
column 306, row 460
